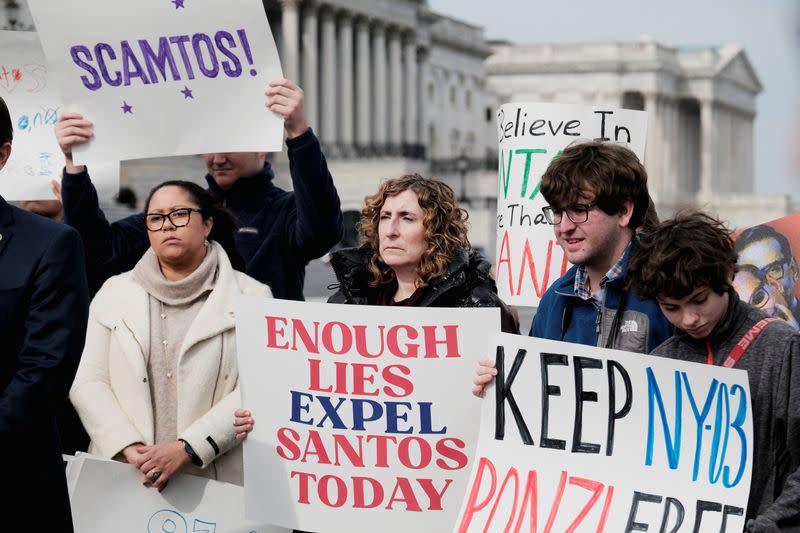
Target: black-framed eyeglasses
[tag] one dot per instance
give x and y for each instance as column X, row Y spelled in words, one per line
column 178, row 218
column 577, row 213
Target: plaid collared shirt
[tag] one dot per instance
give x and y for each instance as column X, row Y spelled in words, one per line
column 582, row 288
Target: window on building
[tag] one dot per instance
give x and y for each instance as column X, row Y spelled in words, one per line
column 453, row 96
column 633, row 100
column 468, row 99
column 489, row 114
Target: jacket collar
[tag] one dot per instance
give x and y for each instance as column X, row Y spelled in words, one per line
column 246, row 189
column 215, row 316
column 350, row 267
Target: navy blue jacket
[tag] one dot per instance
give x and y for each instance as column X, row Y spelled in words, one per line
column 44, row 306
column 280, row 231
column 563, row 316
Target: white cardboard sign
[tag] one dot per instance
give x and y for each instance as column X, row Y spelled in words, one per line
column 585, row 439
column 530, row 135
column 109, row 496
column 35, row 106
column 364, row 415
column 161, row 77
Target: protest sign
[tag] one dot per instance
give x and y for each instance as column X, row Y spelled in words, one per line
column 528, row 257
column 164, row 77
column 578, row 438
column 109, row 496
column 364, row 417
column 35, row 107
column 767, row 273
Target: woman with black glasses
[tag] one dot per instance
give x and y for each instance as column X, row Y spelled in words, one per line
column 158, row 379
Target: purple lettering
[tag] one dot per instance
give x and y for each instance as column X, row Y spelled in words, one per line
column 231, row 71
column 131, row 68
column 213, row 70
column 181, row 41
column 76, row 52
column 104, row 47
column 247, row 52
column 161, row 60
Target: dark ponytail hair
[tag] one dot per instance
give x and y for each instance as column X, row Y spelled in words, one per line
column 225, row 224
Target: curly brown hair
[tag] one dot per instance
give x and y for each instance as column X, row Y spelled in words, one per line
column 680, row 255
column 444, row 220
column 610, row 171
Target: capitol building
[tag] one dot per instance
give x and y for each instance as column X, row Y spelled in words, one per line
column 393, row 87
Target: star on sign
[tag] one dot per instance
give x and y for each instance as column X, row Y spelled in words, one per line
column 126, row 108
column 178, row 3
column 187, row 93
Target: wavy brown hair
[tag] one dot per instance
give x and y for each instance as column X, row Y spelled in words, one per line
column 680, row 255
column 444, row 220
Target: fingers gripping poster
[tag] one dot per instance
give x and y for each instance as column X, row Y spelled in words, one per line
column 164, row 77
column 529, row 257
column 585, row 439
column 364, row 416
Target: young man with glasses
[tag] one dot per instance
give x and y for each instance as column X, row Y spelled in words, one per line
column 598, row 197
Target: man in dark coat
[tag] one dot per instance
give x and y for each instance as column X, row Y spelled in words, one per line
column 280, row 231
column 44, row 307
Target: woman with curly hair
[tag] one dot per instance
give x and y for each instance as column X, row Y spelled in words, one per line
column 415, row 252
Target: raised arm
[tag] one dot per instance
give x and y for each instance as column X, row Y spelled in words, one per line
column 315, row 224
column 110, row 248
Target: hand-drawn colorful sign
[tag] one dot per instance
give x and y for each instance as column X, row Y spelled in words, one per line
column 578, row 438
column 35, row 106
column 109, row 496
column 167, row 78
column 767, row 272
column 529, row 258
column 364, row 417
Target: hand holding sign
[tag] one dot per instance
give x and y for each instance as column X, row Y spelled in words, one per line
column 286, row 98
column 72, row 129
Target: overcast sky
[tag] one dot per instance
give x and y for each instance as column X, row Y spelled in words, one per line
column 769, row 30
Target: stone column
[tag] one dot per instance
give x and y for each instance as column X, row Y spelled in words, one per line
column 363, row 96
column 379, row 114
column 346, row 92
column 706, row 148
column 396, row 91
column 290, row 35
column 654, row 147
column 422, row 99
column 311, row 63
column 411, row 81
column 328, row 100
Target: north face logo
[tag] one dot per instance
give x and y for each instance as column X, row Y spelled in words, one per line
column 629, row 326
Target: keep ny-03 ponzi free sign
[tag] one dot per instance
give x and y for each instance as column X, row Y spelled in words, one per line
column 578, row 438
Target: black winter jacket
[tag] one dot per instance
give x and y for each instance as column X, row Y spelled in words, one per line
column 465, row 283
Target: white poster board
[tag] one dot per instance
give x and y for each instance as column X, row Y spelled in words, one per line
column 162, row 78
column 109, row 496
column 530, row 135
column 605, row 440
column 35, row 107
column 364, row 417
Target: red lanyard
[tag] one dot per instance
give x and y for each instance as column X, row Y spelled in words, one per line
column 743, row 344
